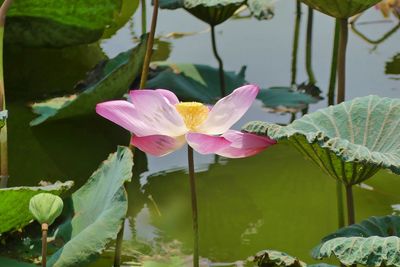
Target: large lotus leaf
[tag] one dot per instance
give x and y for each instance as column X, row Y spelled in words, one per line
column 393, row 66
column 109, row 80
column 193, row 82
column 212, row 12
column 272, row 258
column 350, row 141
column 284, row 99
column 341, row 8
column 14, row 203
column 100, row 207
column 59, row 23
column 372, row 242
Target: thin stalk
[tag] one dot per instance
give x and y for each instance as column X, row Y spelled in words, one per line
column 334, row 62
column 143, row 80
column 310, row 22
column 344, row 32
column 149, row 48
column 350, row 205
column 144, row 16
column 340, row 204
column 194, row 208
column 296, row 38
column 45, row 228
column 3, row 132
column 220, row 63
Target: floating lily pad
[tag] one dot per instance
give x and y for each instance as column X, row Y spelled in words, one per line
column 59, row 23
column 372, row 242
column 193, row 82
column 350, row 141
column 284, row 99
column 100, row 207
column 109, row 80
column 14, row 203
column 341, row 8
column 276, row 258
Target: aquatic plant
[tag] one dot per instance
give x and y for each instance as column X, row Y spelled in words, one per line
column 351, row 141
column 15, row 200
column 160, row 124
column 372, row 242
column 45, row 208
column 213, row 13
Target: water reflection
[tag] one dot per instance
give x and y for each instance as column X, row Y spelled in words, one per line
column 248, row 205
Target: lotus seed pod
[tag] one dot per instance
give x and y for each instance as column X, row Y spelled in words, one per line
column 46, row 207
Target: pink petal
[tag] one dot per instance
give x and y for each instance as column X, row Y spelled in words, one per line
column 244, row 144
column 206, row 144
column 229, row 110
column 125, row 115
column 170, row 96
column 158, row 145
column 157, row 112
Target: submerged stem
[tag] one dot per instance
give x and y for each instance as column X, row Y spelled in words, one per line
column 296, row 38
column 342, row 60
column 334, row 62
column 340, row 206
column 350, row 205
column 3, row 131
column 220, row 63
column 149, row 48
column 45, row 228
column 144, row 16
column 194, row 208
column 310, row 22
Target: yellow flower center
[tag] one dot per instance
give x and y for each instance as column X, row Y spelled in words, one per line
column 193, row 113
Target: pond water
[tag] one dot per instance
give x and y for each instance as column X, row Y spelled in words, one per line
column 275, row 200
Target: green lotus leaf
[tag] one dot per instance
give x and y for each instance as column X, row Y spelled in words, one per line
column 276, row 258
column 100, row 207
column 350, row 141
column 46, row 207
column 341, row 8
column 284, row 99
column 193, row 82
column 213, row 12
column 59, row 23
column 108, row 80
column 14, row 207
column 372, row 242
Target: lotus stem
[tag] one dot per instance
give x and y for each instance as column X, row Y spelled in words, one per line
column 340, row 206
column 350, row 205
column 3, row 132
column 334, row 62
column 45, row 228
column 118, row 245
column 149, row 48
column 296, row 42
column 144, row 16
column 344, row 32
column 194, row 208
column 220, row 63
column 310, row 22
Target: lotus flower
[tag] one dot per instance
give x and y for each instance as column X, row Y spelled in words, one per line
column 160, row 124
